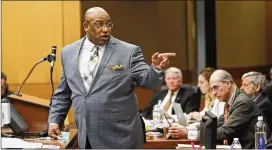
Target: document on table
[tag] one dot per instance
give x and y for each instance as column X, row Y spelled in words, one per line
column 19, row 143
column 180, row 146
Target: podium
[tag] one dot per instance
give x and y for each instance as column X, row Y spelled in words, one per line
column 34, row 111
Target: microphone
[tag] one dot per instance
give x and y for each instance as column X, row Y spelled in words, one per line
column 52, row 61
column 53, row 57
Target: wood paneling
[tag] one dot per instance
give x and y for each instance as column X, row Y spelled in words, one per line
column 29, row 29
column 269, row 31
column 158, row 26
column 241, row 33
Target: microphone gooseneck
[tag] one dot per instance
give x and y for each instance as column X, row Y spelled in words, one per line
column 52, row 59
column 29, row 73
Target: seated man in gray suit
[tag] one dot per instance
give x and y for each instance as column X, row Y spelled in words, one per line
column 240, row 116
column 187, row 96
column 253, row 84
column 98, row 79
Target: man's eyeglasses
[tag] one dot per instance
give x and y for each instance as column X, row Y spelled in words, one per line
column 101, row 25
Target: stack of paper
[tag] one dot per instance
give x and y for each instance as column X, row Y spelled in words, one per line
column 51, row 146
column 19, row 143
column 182, row 146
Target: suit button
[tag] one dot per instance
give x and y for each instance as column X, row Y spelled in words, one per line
column 86, row 97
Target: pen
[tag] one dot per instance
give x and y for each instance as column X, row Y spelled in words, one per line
column 167, row 120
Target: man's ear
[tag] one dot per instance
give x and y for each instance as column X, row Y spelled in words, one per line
column 258, row 88
column 228, row 84
column 85, row 26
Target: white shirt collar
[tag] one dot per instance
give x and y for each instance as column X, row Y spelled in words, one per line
column 175, row 93
column 90, row 45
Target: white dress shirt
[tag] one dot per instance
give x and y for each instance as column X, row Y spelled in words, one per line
column 165, row 100
column 218, row 108
column 85, row 55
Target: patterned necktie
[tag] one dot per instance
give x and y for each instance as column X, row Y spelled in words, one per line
column 226, row 113
column 167, row 105
column 90, row 68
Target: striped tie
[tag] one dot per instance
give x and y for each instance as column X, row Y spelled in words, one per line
column 167, row 105
column 90, row 68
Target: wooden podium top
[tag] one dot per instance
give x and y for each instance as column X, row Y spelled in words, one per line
column 31, row 99
column 34, row 110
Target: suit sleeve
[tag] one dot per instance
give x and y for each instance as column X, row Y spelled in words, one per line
column 220, row 121
column 193, row 103
column 147, row 112
column 61, row 100
column 143, row 73
column 239, row 118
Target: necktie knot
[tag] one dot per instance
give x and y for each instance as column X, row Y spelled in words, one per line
column 95, row 50
column 169, row 101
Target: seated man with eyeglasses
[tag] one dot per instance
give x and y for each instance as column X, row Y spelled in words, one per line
column 240, row 115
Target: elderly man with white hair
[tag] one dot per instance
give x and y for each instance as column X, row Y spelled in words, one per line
column 253, row 84
column 188, row 96
column 240, row 115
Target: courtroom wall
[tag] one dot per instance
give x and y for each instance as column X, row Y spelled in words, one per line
column 29, row 29
column 156, row 26
column 241, row 33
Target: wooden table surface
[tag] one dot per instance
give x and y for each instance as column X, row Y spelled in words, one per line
column 160, row 142
column 64, row 144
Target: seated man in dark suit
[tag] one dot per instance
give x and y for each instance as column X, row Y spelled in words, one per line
column 187, row 96
column 268, row 91
column 253, row 84
column 240, row 115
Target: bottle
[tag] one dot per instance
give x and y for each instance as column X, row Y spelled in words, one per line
column 157, row 114
column 260, row 134
column 236, row 144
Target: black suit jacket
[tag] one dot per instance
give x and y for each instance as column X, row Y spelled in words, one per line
column 266, row 107
column 188, row 96
column 243, row 115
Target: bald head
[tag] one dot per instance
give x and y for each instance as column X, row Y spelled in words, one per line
column 98, row 26
column 221, row 76
column 95, row 12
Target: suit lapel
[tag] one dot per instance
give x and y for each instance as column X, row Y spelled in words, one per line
column 237, row 92
column 179, row 95
column 78, row 49
column 259, row 98
column 110, row 48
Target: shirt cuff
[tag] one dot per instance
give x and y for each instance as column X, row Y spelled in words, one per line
column 156, row 70
column 52, row 124
column 159, row 72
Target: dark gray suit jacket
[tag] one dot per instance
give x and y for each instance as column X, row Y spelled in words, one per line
column 107, row 113
column 265, row 106
column 243, row 115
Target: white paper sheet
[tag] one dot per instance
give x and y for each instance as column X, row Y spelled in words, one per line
column 19, row 143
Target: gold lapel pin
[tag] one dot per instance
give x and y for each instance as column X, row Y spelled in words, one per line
column 110, row 67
